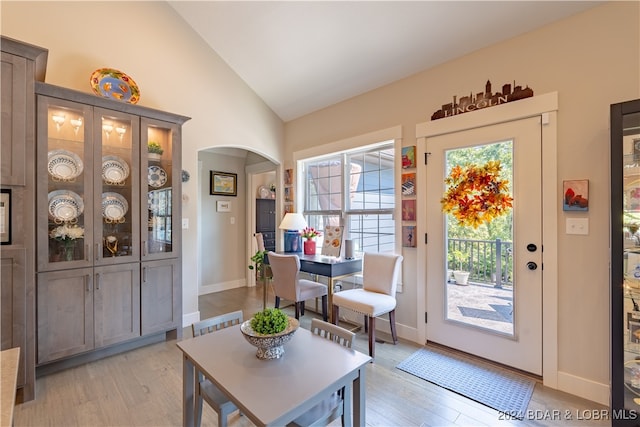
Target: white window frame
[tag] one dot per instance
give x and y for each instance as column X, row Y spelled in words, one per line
column 369, row 141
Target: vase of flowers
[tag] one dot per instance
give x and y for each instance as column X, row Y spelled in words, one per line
column 310, row 234
column 67, row 235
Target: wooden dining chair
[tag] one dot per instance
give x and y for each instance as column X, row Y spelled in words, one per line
column 332, row 407
column 287, row 284
column 205, row 389
column 380, row 275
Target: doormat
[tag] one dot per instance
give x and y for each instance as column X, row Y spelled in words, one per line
column 496, row 388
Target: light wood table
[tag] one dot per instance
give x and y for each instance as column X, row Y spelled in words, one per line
column 275, row 392
column 9, row 360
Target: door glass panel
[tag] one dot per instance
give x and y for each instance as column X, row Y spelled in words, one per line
column 160, row 181
column 117, row 183
column 67, row 165
column 479, row 235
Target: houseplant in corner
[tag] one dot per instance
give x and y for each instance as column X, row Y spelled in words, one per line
column 269, row 330
column 460, row 259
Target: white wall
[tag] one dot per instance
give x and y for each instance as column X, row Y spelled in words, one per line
column 592, row 60
column 175, row 71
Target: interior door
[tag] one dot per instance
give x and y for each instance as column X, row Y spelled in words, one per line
column 498, row 314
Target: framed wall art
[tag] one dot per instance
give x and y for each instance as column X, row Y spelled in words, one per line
column 409, row 157
column 575, row 195
column 5, row 216
column 223, row 206
column 223, row 184
column 409, row 184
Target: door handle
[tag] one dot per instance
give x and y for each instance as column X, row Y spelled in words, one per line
column 532, row 265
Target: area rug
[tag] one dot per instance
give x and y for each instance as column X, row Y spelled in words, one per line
column 494, row 387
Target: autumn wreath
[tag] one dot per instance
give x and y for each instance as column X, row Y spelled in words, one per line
column 476, row 194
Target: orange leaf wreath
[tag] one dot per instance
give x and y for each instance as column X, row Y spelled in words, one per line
column 476, row 194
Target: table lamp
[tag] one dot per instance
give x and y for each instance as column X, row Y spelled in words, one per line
column 292, row 223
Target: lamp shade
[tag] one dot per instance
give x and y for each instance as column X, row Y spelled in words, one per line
column 293, row 221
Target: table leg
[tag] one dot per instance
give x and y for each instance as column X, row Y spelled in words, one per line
column 330, row 300
column 188, row 389
column 359, row 402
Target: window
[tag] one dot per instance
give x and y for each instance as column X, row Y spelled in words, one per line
column 358, row 187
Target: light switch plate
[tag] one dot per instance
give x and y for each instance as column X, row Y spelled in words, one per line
column 577, row 226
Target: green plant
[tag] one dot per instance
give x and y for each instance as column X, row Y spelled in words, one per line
column 269, row 321
column 258, row 260
column 460, row 259
column 154, row 147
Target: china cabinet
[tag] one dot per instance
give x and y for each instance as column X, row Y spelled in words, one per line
column 108, row 255
column 22, row 65
column 625, row 263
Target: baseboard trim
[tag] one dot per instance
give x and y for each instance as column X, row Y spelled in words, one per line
column 190, row 318
column 224, row 286
column 582, row 387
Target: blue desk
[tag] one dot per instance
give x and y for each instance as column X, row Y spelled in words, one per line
column 330, row 267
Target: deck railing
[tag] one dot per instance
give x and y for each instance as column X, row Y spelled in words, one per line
column 489, row 261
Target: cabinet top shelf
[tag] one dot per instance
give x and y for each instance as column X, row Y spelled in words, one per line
column 90, row 99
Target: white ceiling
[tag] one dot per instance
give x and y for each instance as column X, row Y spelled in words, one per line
column 301, row 56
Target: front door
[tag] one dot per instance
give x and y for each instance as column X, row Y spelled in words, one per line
column 489, row 180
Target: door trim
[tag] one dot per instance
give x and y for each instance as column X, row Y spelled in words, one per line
column 545, row 106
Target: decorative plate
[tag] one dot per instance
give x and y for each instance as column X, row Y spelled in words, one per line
column 65, row 205
column 114, row 84
column 114, row 169
column 64, row 165
column 264, row 192
column 157, row 177
column 114, row 206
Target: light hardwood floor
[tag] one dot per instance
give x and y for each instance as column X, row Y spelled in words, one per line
column 144, row 388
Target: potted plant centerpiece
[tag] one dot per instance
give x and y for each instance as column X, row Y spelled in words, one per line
column 269, row 330
column 155, row 150
column 460, row 259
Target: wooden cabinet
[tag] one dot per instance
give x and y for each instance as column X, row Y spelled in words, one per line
column 161, row 300
column 266, row 222
column 22, row 65
column 625, row 263
column 108, row 223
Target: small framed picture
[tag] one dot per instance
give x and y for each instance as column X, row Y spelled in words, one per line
column 288, row 176
column 409, row 236
column 575, row 195
column 409, row 184
column 223, row 206
column 409, row 210
column 5, row 216
column 223, row 184
column 409, row 157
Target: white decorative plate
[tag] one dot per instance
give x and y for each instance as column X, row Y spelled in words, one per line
column 64, row 165
column 264, row 192
column 114, row 169
column 157, row 177
column 65, row 205
column 114, row 206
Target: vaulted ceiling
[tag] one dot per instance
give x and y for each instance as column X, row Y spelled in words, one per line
column 302, row 56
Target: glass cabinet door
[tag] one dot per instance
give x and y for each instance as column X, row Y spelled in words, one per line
column 65, row 203
column 161, row 180
column 116, row 186
column 625, row 259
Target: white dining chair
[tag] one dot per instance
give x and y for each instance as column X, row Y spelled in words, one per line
column 205, row 389
column 287, row 284
column 377, row 296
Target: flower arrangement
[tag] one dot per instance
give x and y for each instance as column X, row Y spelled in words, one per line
column 310, row 233
column 66, row 232
column 476, row 194
column 67, row 235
